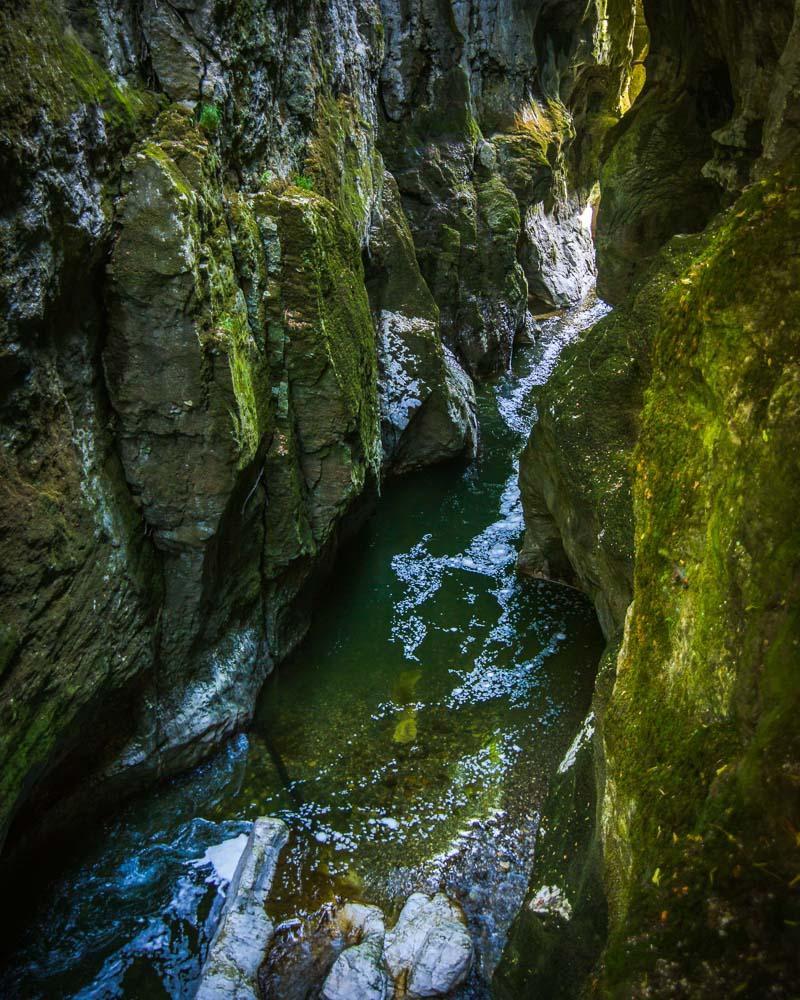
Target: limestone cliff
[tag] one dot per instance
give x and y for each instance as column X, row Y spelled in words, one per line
column 191, row 402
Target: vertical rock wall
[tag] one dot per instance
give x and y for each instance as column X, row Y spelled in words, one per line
column 191, row 412
column 481, row 104
column 662, row 471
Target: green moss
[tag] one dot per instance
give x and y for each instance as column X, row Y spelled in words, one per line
column 589, row 418
column 250, row 418
column 225, row 255
column 238, row 330
column 44, row 67
column 325, row 443
column 322, row 290
column 341, row 162
column 500, row 209
column 498, row 230
column 541, row 129
column 703, row 802
column 209, row 118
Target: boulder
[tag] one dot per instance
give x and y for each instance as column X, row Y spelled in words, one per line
column 429, row 952
column 558, row 253
column 358, row 973
column 245, row 930
column 427, row 400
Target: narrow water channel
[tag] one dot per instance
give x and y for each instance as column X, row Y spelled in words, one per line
column 407, row 743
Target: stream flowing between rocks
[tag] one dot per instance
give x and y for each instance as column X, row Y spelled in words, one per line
column 408, row 743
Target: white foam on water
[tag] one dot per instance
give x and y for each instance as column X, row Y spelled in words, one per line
column 584, row 735
column 223, row 857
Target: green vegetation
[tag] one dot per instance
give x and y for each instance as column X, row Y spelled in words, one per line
column 341, row 161
column 209, row 118
column 45, row 67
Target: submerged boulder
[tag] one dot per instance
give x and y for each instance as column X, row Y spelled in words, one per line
column 429, row 952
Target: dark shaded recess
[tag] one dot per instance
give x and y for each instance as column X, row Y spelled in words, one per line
column 547, row 957
column 652, row 181
column 49, row 822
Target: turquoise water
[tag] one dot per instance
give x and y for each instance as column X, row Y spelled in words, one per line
column 408, row 742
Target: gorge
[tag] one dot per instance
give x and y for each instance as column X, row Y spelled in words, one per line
column 285, row 287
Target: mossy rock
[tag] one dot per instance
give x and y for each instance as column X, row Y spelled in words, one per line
column 46, row 69
column 575, row 472
column 323, row 351
column 9, row 641
column 702, row 801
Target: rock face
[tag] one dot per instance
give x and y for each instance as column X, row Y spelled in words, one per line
column 427, row 402
column 245, row 930
column 658, row 479
column 559, row 934
column 574, row 471
column 428, row 952
column 187, row 431
column 707, row 123
column 249, row 254
column 481, row 103
column 707, row 640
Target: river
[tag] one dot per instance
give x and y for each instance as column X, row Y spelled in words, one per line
column 408, row 743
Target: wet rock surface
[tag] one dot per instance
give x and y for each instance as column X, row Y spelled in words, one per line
column 244, row 931
column 252, row 254
column 428, row 952
column 359, row 970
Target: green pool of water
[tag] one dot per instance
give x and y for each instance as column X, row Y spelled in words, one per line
column 408, row 743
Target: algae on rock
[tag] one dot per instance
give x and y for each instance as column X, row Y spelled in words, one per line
column 698, row 751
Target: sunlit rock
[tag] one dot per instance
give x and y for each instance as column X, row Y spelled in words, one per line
column 245, row 930
column 429, row 949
